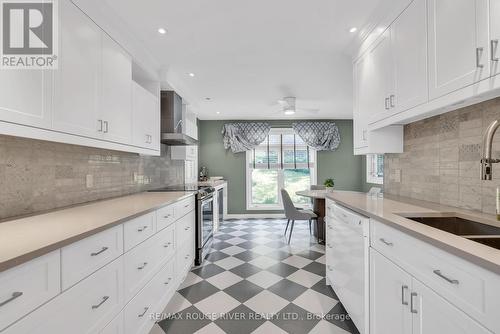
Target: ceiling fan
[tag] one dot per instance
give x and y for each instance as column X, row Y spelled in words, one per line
column 289, row 107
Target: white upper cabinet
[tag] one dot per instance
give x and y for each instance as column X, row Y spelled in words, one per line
column 78, row 79
column 146, row 118
column 361, row 92
column 26, row 97
column 458, row 44
column 190, row 127
column 382, row 75
column 116, row 97
column 409, row 56
column 495, row 36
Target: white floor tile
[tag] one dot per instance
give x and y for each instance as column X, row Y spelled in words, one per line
column 304, row 278
column 264, row 279
column 325, row 327
column 267, row 328
column 229, row 262
column 217, row 303
column 266, row 303
column 176, row 304
column 237, row 233
column 263, row 262
column 191, row 279
column 235, row 241
column 233, row 250
column 262, row 250
column 315, row 302
column 224, row 280
column 297, row 261
column 211, row 328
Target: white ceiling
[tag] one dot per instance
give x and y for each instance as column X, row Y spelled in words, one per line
column 248, row 54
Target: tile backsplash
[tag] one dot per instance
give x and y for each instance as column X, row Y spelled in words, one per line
column 441, row 159
column 38, row 175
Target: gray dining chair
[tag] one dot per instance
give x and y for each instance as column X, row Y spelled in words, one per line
column 317, row 187
column 293, row 214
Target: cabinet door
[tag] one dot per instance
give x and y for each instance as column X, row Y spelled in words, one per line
column 390, row 288
column 409, row 48
column 495, row 36
column 432, row 314
column 146, row 118
column 360, row 124
column 458, row 44
column 381, row 85
column 77, row 81
column 26, row 97
column 116, row 97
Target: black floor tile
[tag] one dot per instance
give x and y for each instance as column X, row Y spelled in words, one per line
column 181, row 323
column 282, row 269
column 208, row 270
column 245, row 270
column 311, row 255
column 316, row 268
column 295, row 320
column 246, row 256
column 287, row 289
column 198, row 291
column 243, row 290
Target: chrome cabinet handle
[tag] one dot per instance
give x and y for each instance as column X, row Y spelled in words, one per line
column 479, row 52
column 168, row 281
column 412, row 308
column 387, row 103
column 167, row 244
column 404, row 288
column 391, row 99
column 140, row 229
column 364, row 134
column 100, row 125
column 330, row 268
column 186, row 205
column 143, row 313
column 99, row 252
column 329, row 245
column 14, row 295
column 167, row 216
column 493, row 48
column 187, row 228
column 106, row 126
column 143, row 266
column 186, row 257
column 447, row 279
column 386, row 242
column 102, row 302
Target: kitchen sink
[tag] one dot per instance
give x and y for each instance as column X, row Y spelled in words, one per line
column 457, row 225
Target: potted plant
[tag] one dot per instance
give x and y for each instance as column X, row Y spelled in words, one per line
column 329, row 183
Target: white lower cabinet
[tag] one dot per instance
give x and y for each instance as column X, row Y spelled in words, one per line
column 24, row 288
column 107, row 289
column 401, row 304
column 85, row 308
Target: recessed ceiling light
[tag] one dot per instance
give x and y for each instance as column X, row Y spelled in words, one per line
column 191, row 74
column 208, row 98
column 218, row 112
column 353, row 29
column 162, row 31
column 289, row 112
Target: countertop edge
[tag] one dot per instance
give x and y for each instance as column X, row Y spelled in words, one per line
column 464, row 254
column 26, row 257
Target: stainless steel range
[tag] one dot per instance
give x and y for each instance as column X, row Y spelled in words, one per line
column 204, row 217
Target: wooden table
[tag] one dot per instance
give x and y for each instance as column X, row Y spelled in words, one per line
column 318, row 197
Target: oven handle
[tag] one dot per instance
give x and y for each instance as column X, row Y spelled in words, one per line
column 207, row 200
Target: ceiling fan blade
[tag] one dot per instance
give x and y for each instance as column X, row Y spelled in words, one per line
column 309, row 111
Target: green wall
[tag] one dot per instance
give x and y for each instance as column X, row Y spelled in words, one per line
column 342, row 165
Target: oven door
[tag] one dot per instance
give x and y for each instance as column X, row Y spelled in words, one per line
column 206, row 220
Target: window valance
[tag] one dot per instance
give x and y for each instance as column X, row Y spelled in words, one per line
column 244, row 136
column 322, row 136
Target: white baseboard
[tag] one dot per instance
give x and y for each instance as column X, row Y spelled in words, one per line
column 254, row 215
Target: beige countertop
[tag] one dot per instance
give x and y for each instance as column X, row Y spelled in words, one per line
column 26, row 238
column 388, row 210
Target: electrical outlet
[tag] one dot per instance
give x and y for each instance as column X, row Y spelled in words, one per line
column 89, row 180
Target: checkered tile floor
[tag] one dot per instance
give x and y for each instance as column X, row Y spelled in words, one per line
column 253, row 282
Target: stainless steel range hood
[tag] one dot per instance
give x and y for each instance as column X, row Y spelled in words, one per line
column 172, row 121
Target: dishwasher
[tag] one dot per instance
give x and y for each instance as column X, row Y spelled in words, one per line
column 347, row 260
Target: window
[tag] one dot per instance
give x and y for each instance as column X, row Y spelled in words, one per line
column 283, row 160
column 375, row 168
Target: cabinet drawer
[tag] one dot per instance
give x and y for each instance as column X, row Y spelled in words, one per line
column 140, row 265
column 346, row 215
column 181, row 208
column 184, row 258
column 467, row 286
column 165, row 243
column 82, row 258
column 164, row 217
column 84, row 308
column 138, row 229
column 25, row 287
column 115, row 326
column 137, row 313
column 185, row 228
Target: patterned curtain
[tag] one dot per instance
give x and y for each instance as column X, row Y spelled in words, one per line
column 241, row 137
column 323, row 136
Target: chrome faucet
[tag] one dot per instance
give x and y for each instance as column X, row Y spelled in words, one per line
column 486, row 160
